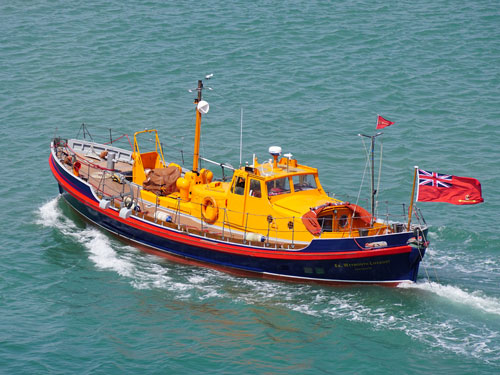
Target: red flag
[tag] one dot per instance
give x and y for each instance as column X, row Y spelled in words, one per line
column 437, row 187
column 382, row 122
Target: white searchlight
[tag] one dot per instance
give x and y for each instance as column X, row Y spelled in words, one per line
column 203, row 107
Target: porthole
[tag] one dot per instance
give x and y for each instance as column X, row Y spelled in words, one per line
column 319, row 270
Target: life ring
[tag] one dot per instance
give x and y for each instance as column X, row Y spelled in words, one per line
column 209, row 210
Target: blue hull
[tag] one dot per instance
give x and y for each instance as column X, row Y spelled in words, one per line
column 324, row 260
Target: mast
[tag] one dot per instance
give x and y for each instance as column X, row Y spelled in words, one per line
column 197, row 133
column 372, row 157
column 241, row 133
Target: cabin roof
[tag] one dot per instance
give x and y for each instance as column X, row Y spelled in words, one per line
column 268, row 172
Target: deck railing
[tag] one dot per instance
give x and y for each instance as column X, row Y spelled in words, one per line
column 271, row 234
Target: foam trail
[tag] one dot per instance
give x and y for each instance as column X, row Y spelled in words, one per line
column 103, row 254
column 101, row 251
column 49, row 215
column 143, row 272
column 475, row 299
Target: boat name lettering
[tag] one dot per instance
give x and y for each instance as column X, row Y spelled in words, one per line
column 363, row 264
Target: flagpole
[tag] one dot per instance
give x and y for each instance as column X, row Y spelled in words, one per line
column 412, row 197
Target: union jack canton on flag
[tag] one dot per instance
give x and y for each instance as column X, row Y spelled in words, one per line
column 434, row 179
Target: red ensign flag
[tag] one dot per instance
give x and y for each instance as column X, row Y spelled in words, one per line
column 382, row 122
column 437, row 187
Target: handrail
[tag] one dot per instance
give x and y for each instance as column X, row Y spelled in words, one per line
column 281, row 225
column 157, row 143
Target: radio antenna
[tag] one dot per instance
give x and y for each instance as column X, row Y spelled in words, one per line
column 241, row 133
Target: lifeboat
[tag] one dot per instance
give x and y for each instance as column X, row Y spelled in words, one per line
column 271, row 219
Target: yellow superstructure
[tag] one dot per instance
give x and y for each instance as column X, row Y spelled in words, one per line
column 280, row 198
column 265, row 199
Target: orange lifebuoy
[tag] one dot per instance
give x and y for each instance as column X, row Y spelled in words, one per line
column 209, row 210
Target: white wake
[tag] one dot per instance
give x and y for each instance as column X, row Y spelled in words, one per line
column 101, row 251
column 475, row 299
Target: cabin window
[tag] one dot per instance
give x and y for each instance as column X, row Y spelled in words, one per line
column 255, row 190
column 239, row 186
column 278, row 186
column 304, row 182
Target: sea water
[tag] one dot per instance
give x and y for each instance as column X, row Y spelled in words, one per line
column 308, row 76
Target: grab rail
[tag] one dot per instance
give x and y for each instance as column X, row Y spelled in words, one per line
column 285, row 226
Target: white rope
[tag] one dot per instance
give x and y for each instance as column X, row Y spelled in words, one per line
column 362, row 181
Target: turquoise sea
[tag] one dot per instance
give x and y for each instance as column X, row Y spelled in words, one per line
column 308, row 76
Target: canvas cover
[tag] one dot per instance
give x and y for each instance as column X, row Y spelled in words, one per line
column 310, row 218
column 162, row 181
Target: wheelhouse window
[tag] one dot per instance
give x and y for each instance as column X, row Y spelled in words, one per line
column 278, row 186
column 255, row 190
column 304, row 182
column 238, row 186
